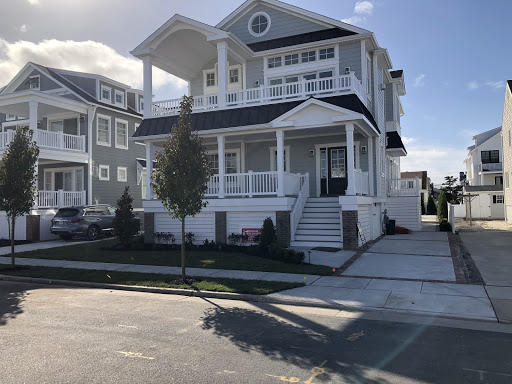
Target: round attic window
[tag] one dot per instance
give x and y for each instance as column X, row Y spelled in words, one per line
column 259, row 24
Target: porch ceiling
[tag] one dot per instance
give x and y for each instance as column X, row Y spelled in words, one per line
column 18, row 104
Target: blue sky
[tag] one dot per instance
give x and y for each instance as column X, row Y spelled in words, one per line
column 455, row 55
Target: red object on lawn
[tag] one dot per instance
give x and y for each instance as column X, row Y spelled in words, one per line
column 402, row 231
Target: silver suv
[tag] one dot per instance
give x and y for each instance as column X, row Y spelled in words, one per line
column 90, row 221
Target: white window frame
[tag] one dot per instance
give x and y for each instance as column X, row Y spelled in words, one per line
column 109, row 89
column 238, row 85
column 249, row 24
column 211, row 88
column 236, row 151
column 109, row 119
column 52, row 171
column 123, row 97
column 141, row 104
column 107, row 167
column 38, row 83
column 10, row 117
column 119, row 178
column 127, row 133
column 273, row 165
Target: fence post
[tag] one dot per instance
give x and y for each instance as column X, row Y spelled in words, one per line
column 60, row 198
column 61, row 140
column 250, row 183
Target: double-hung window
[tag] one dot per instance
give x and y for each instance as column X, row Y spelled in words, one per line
column 274, row 62
column 210, row 79
column 106, row 94
column 291, row 59
column 121, row 134
column 234, row 76
column 490, row 156
column 103, row 130
column 308, row 56
column 122, row 174
column 35, row 82
column 327, row 53
column 104, row 172
column 230, row 163
column 119, row 98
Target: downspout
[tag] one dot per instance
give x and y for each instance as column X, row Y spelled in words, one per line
column 91, row 111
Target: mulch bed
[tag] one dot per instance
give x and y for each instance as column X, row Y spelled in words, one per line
column 463, row 262
column 7, row 243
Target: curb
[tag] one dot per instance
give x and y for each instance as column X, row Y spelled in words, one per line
column 235, row 296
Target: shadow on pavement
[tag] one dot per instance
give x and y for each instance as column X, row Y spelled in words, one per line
column 12, row 297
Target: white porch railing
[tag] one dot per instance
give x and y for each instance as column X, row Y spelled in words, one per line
column 296, row 214
column 49, row 139
column 254, row 184
column 269, row 93
column 403, row 187
column 490, row 167
column 362, row 182
column 60, row 199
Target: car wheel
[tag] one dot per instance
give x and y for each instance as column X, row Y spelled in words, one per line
column 93, row 233
column 65, row 237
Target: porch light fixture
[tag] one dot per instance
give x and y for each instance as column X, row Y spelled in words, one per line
column 363, row 149
column 311, row 153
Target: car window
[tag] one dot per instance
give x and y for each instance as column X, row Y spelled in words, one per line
column 93, row 212
column 66, row 212
column 112, row 211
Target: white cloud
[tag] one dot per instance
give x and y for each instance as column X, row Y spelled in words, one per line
column 33, row 2
column 438, row 161
column 24, row 28
column 420, row 80
column 473, row 85
column 364, row 7
column 408, row 140
column 354, row 20
column 495, row 84
column 82, row 56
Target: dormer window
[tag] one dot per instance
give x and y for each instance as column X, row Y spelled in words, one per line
column 35, row 83
column 259, row 24
column 141, row 104
column 234, row 76
column 119, row 98
column 106, row 93
column 210, row 79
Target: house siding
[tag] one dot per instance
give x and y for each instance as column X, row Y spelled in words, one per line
column 350, row 56
column 282, row 25
column 507, row 153
column 108, row 192
column 406, row 211
column 390, row 101
column 45, row 83
column 202, row 226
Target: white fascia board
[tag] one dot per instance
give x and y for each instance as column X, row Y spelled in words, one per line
column 17, row 79
column 90, row 76
column 384, row 53
column 300, row 12
column 314, row 44
column 64, row 155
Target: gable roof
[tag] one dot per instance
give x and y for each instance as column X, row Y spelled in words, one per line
column 483, row 137
column 301, row 12
column 303, row 38
column 247, row 116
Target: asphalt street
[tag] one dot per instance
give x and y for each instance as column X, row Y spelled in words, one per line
column 55, row 334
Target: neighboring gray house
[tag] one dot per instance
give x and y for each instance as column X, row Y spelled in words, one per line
column 82, row 124
column 300, row 114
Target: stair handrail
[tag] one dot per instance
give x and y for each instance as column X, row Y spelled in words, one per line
column 300, row 203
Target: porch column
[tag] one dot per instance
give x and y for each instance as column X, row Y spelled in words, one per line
column 280, row 163
column 222, row 68
column 36, row 177
column 149, row 169
column 33, row 117
column 351, row 185
column 90, row 118
column 148, row 85
column 221, row 143
column 378, row 164
column 371, row 173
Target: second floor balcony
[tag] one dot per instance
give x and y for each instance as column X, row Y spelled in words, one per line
column 48, row 139
column 490, row 167
column 267, row 94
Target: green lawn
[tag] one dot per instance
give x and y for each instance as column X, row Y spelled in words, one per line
column 98, row 251
column 254, row 287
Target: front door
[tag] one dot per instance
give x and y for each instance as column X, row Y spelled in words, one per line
column 333, row 174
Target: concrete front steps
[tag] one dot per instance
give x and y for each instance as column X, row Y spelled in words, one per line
column 320, row 224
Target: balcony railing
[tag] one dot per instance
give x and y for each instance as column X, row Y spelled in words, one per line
column 403, row 187
column 362, row 182
column 491, row 167
column 254, row 184
column 48, row 139
column 266, row 94
column 60, row 199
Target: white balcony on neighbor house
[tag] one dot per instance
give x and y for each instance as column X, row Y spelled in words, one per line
column 60, row 199
column 267, row 94
column 491, row 167
column 48, row 139
column 403, row 187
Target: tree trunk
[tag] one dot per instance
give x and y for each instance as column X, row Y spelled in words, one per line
column 183, row 275
column 13, row 262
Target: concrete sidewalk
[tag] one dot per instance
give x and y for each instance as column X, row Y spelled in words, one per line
column 491, row 252
column 43, row 245
column 435, row 299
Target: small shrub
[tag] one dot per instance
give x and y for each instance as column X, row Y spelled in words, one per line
column 422, row 204
column 268, row 233
column 445, row 226
column 257, row 239
column 431, row 206
column 125, row 223
column 442, row 206
column 234, row 238
column 293, row 256
column 189, row 239
column 276, row 251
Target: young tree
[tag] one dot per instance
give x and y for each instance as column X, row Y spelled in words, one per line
column 452, row 189
column 431, row 206
column 442, row 206
column 18, row 180
column 422, row 202
column 125, row 224
column 182, row 173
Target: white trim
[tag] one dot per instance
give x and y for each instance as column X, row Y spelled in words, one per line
column 107, row 167
column 125, row 122
column 123, row 96
column 236, row 151
column 273, row 165
column 119, row 178
column 249, row 24
column 109, row 89
column 109, row 119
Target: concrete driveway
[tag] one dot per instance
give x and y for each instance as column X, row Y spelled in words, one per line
column 492, row 253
